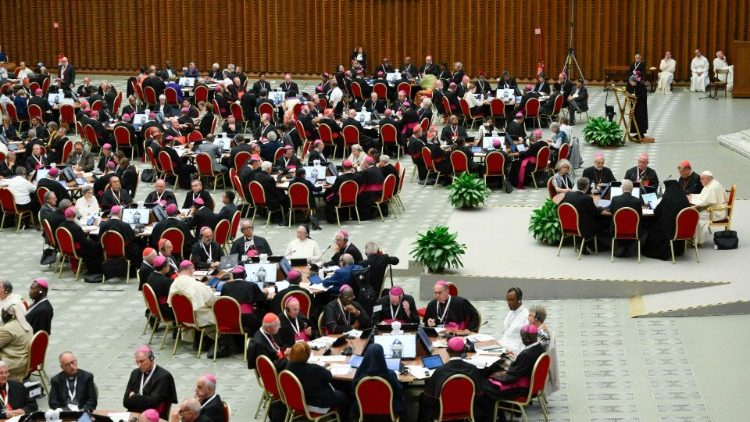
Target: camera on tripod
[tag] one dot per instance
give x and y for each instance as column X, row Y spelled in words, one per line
column 571, row 51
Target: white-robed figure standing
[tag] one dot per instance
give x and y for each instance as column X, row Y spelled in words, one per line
column 666, row 74
column 699, row 68
column 712, row 194
column 720, row 62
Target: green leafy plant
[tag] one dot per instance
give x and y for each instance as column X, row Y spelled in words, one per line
column 544, row 225
column 437, row 249
column 604, row 133
column 467, row 191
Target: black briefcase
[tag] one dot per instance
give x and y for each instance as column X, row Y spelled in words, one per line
column 726, row 239
column 115, row 267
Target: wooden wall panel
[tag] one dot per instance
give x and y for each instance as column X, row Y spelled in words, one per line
column 308, row 37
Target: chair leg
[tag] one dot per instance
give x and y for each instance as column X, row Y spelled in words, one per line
column 153, row 330
column 255, row 210
column 145, row 327
column 127, row 278
column 338, row 220
column 177, row 340
column 695, row 246
column 543, row 403
column 268, row 219
column 78, row 270
column 437, row 178
column 639, row 251
column 200, row 344
column 671, row 248
column 612, row 255
column 216, row 344
column 377, row 205
column 559, row 247
column 167, row 328
column 244, row 355
column 583, row 245
column 356, row 210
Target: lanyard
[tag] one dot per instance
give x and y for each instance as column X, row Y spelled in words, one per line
column 116, row 196
column 512, row 316
column 207, row 401
column 271, row 342
column 208, row 252
column 34, row 305
column 144, row 383
column 72, row 394
column 249, row 243
column 6, row 399
column 394, row 315
column 158, row 196
column 346, row 316
column 441, row 318
column 196, row 197
column 295, row 323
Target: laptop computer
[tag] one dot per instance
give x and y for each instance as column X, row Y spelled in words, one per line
column 298, row 262
column 406, row 326
column 228, row 262
column 135, row 216
column 398, row 346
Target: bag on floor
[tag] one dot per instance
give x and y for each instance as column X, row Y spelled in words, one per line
column 115, row 267
column 148, row 176
column 726, row 239
column 49, row 256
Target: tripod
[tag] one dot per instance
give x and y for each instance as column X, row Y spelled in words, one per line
column 570, row 59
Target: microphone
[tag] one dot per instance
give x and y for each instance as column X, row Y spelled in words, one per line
column 323, row 253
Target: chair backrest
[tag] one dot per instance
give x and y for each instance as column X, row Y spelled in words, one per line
column 226, row 410
column 150, row 94
column 152, row 301
column 457, row 398
column 90, row 135
column 217, row 109
column 278, row 154
column 686, row 224
column 228, row 315
column 497, row 107
column 139, row 92
column 452, row 289
column 241, row 158
column 45, row 85
column 551, row 188
column 557, row 106
column 425, row 124
column 48, row 232
column 265, row 108
column 305, row 149
column 200, row 94
column 67, row 114
column 730, row 201
column 65, row 242
column 234, row 224
column 351, row 135
column 117, row 102
column 35, row 111
column 404, row 86
column 538, row 376
column 171, row 95
column 10, row 108
column 222, row 231
column 204, row 162
column 33, row 87
column 195, row 135
column 40, row 192
column 495, row 162
column 348, row 193
column 299, row 195
column 374, row 398
column 80, row 131
column 381, row 89
column 302, row 297
column 531, row 108
column 300, row 130
column 446, row 105
column 542, row 159
column 292, row 393
column 122, row 136
column 356, row 90
column 183, row 310
column 165, row 162
column 389, row 186
column 389, row 134
column 257, row 193
column 7, row 201
column 113, row 244
column 459, row 161
column 427, row 158
column 268, row 377
column 564, row 152
column 176, row 237
column 465, row 109
column 626, row 221
column 326, row 134
column 38, row 351
column 568, row 216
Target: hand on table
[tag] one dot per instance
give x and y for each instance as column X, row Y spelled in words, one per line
column 430, row 322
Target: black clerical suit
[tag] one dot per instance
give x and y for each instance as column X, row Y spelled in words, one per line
column 161, row 284
column 226, row 212
column 55, row 186
column 691, row 184
column 460, row 311
column 112, row 198
column 166, row 196
column 39, row 315
column 144, row 272
column 384, row 311
column 168, row 223
column 18, row 397
column 274, row 197
column 337, row 321
column 589, row 217
column 212, row 409
column 157, row 393
column 208, row 201
column 648, row 176
column 598, row 176
column 287, row 332
column 204, row 255
column 351, row 250
column 83, row 388
column 240, row 247
column 260, row 345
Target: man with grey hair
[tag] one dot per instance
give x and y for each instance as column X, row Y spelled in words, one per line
column 713, row 195
column 23, row 192
column 384, row 163
column 425, row 110
column 188, row 411
column 269, row 145
column 342, row 275
column 205, row 391
column 589, row 217
column 275, row 198
column 7, row 296
column 265, row 342
column 626, row 199
column 15, row 397
column 73, row 388
column 642, row 173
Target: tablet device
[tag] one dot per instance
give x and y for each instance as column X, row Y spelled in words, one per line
column 432, row 362
column 355, row 361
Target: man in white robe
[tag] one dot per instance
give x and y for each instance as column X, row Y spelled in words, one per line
column 201, row 296
column 517, row 317
column 699, row 68
column 713, row 194
column 666, row 74
column 720, row 62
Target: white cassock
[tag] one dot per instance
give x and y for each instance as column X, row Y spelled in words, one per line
column 666, row 76
column 699, row 82
column 511, row 336
column 729, row 77
column 201, row 297
column 712, row 194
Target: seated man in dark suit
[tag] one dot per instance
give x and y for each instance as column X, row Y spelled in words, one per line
column 201, row 216
column 206, row 253
column 589, row 217
column 343, row 313
column 622, row 201
column 514, row 382
column 275, row 198
column 265, row 342
column 248, row 241
column 578, row 100
column 115, row 195
column 18, row 400
column 212, row 408
column 82, row 395
column 132, row 250
column 643, row 173
column 227, row 211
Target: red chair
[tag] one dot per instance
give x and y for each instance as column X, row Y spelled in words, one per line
column 401, row 178
column 217, row 109
column 300, row 130
column 357, row 91
column 326, row 135
column 64, row 240
column 551, row 188
column 68, row 115
column 457, row 399
column 266, row 108
column 97, row 106
column 185, row 320
column 497, row 110
column 268, row 379
column 228, row 317
column 570, row 227
column 726, row 221
column 116, row 104
column 299, row 200
column 404, row 86
column 278, row 154
column 542, row 159
column 167, row 167
column 447, row 111
column 124, row 140
column 305, row 302
column 626, row 222
column 495, row 165
column 138, row 91
column 10, row 108
column 243, row 200
column 8, row 203
column 686, row 225
column 322, row 103
column 50, row 238
column 194, row 136
column 466, row 111
column 241, row 158
column 205, row 166
column 234, row 225
column 176, row 237
column 293, row 395
column 33, row 87
column 459, row 162
column 375, row 399
column 113, row 245
column 556, row 107
column 389, row 136
column 430, row 164
column 531, row 111
column 536, row 390
column 41, row 191
column 226, row 410
column 171, row 95
column 258, row 195
column 79, row 131
column 36, row 111
column 425, row 124
column 389, row 185
column 91, row 137
column 351, row 137
column 305, row 149
column 200, row 94
column 452, row 289
column 152, row 304
column 150, row 96
column 37, row 354
column 381, row 89
column 564, row 152
column 348, row 192
column 45, row 85
column 239, row 115
column 222, row 232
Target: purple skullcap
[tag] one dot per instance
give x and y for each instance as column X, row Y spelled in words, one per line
column 198, row 201
column 347, row 164
column 396, row 291
column 293, row 275
column 452, row 85
column 210, row 377
column 171, row 209
column 42, row 282
column 111, row 165
column 151, row 415
column 54, row 171
column 115, row 210
column 143, row 349
column 126, row 116
column 318, row 142
column 70, row 212
column 217, row 88
column 159, row 261
column 441, row 283
column 344, row 233
column 519, row 115
column 531, row 329
column 254, row 157
column 344, row 287
column 185, row 264
column 152, row 115
column 369, row 160
column 456, row 344
column 185, row 110
column 496, row 143
column 380, row 73
column 538, row 133
column 107, row 146
column 291, row 300
column 94, row 114
column 170, row 137
column 238, row 269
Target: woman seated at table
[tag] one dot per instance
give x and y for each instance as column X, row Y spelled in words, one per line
column 320, row 395
column 562, row 181
column 302, row 246
column 373, row 365
column 87, row 206
column 357, row 157
column 556, row 141
column 476, row 106
column 662, row 228
column 8, row 130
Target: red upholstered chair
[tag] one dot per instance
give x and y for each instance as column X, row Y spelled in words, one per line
column 381, row 89
column 65, row 242
column 184, row 317
column 258, row 195
column 50, row 238
column 200, row 94
column 68, row 115
column 375, row 399
column 116, row 104
column 452, row 289
column 531, row 111
column 205, row 165
column 564, row 152
column 171, row 95
column 686, row 225
column 555, row 109
column 447, row 112
column 46, row 85
column 152, row 304
column 79, row 130
column 305, row 149
column 139, row 93
column 36, row 111
column 228, row 317
column 124, row 140
column 468, row 116
column 551, row 188
column 495, row 162
column 459, row 162
column 457, row 399
column 427, row 158
column 40, row 192
column 278, row 154
column 322, row 103
column 299, row 200
column 150, row 95
column 226, row 410
column 497, row 110
column 167, row 167
column 389, row 185
column 401, row 178
column 404, row 86
column 234, row 225
column 536, row 390
column 542, row 159
column 37, row 354
column 326, row 135
column 304, row 299
column 425, row 124
column 221, row 233
column 347, row 199
column 389, row 136
column 97, row 106
column 242, row 199
column 351, row 137
column 8, row 203
column 176, row 237
column 570, row 227
column 194, row 136
column 293, row 395
column 240, row 159
column 268, row 379
column 726, row 222
column 239, row 115
column 33, row 87
column 217, row 109
column 113, row 245
column 626, row 221
column 266, row 108
column 91, row 137
column 357, row 91
column 300, row 130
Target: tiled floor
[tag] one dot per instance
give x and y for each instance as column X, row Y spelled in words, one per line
column 613, row 368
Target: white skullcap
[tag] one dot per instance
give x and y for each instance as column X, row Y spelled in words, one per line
column 707, row 173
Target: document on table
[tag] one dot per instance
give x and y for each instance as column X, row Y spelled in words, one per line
column 482, row 361
column 419, row 372
column 480, row 337
column 339, row 369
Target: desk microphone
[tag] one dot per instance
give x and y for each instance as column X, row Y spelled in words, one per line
column 329, row 247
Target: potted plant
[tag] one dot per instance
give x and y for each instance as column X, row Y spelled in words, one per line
column 604, row 133
column 544, row 225
column 467, row 191
column 437, row 249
